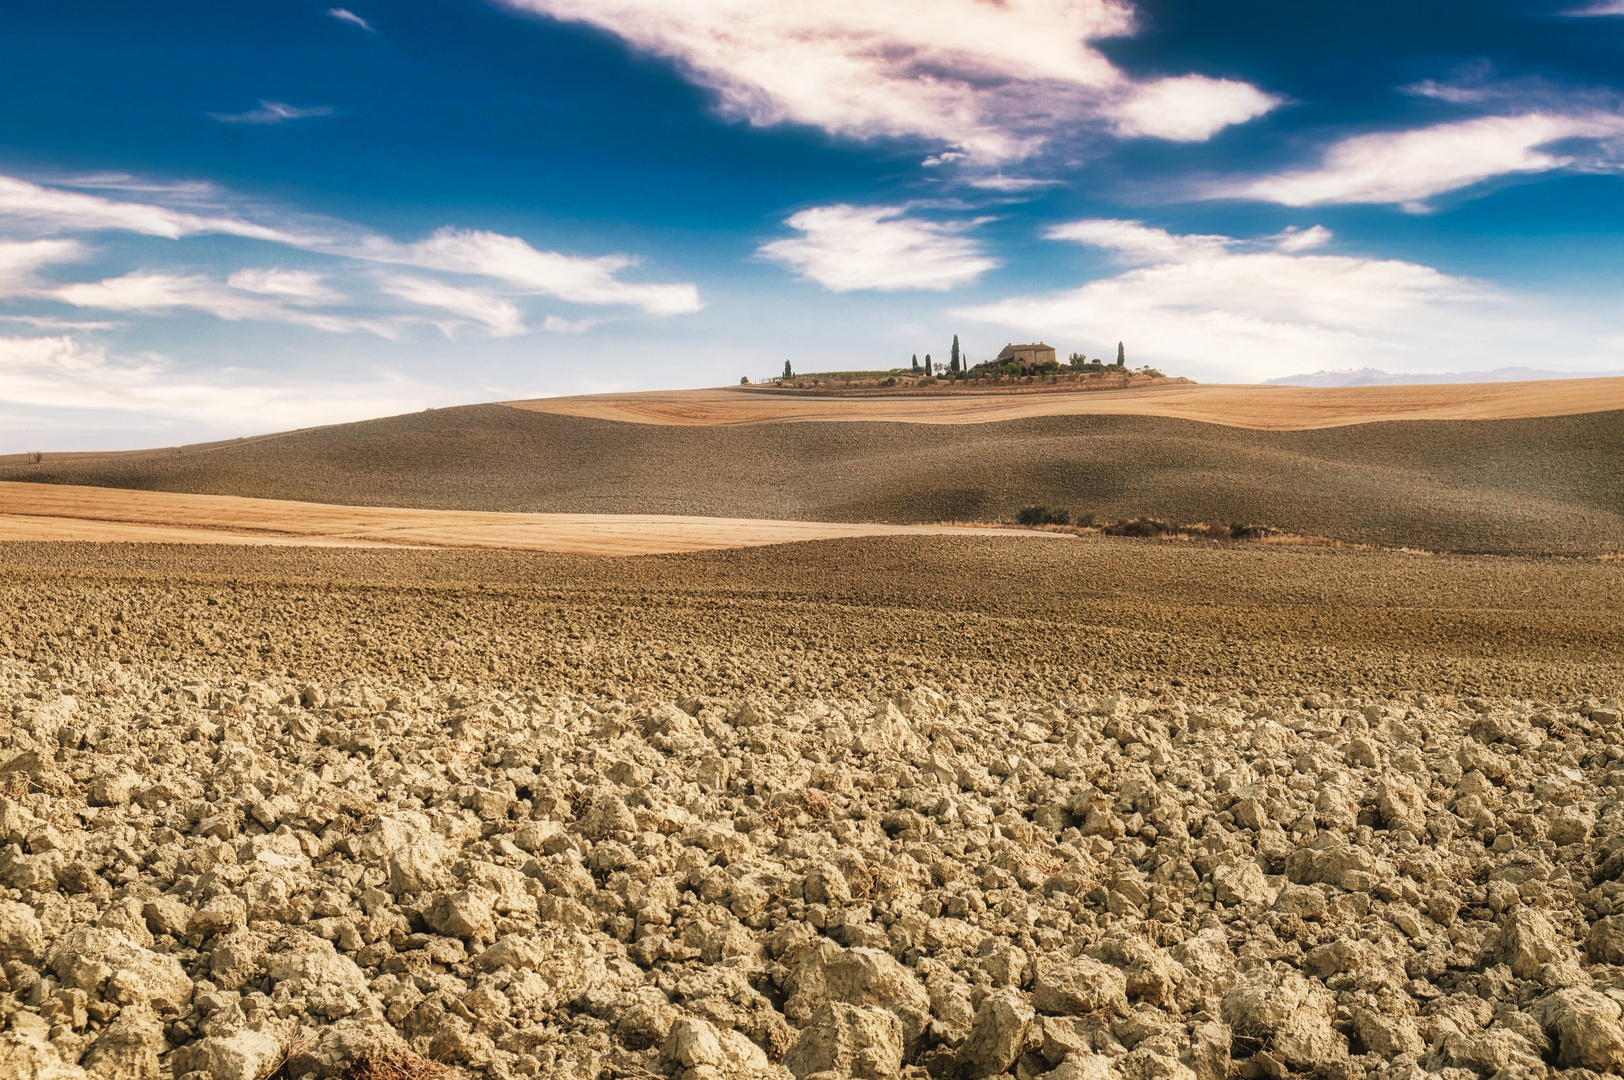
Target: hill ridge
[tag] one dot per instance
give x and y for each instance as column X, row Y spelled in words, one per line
column 1550, row 485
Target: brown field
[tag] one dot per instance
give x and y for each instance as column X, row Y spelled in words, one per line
column 1536, row 485
column 836, row 616
column 397, row 780
column 493, row 814
column 1263, row 408
column 38, row 512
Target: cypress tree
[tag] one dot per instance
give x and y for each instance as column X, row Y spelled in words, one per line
column 953, row 357
column 1122, row 355
column 788, row 374
column 916, row 361
column 927, row 363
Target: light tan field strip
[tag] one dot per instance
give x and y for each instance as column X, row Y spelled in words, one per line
column 61, row 512
column 1276, row 408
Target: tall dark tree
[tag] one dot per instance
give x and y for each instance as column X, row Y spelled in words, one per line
column 953, row 357
column 1122, row 355
column 788, row 374
column 927, row 363
column 916, row 361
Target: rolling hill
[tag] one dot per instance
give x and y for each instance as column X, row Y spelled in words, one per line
column 1551, row 484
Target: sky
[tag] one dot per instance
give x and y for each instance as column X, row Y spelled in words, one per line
column 218, row 220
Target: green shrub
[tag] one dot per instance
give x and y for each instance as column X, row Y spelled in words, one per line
column 1138, row 527
column 1039, row 514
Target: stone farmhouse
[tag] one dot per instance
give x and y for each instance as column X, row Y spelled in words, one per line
column 1028, row 356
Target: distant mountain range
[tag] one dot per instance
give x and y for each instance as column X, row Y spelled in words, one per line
column 1375, row 377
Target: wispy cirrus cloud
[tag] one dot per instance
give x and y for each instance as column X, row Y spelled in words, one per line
column 551, row 273
column 21, row 260
column 273, row 112
column 512, row 265
column 1406, row 168
column 500, row 317
column 845, row 248
column 299, row 286
column 345, row 15
column 57, row 210
column 149, row 291
column 996, row 81
column 1253, row 308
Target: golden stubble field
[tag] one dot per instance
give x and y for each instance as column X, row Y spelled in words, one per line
column 1267, row 408
column 60, row 512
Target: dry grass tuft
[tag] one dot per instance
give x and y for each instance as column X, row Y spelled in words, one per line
column 817, row 803
column 278, row 1069
column 395, row 1065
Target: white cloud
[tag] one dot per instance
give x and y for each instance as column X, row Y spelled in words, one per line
column 557, row 324
column 845, row 247
column 61, row 372
column 299, row 286
column 497, row 315
column 20, row 259
column 1216, row 305
column 1011, row 184
column 1191, row 108
column 49, row 322
column 510, row 259
column 273, row 112
column 72, row 211
column 1295, row 239
column 1408, row 167
column 521, row 268
column 996, row 80
column 348, row 16
column 1601, row 7
column 1132, row 242
column 148, row 291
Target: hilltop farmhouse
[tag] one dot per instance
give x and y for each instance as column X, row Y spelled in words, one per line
column 1028, row 356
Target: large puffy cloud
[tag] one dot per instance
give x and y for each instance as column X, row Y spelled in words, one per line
column 1408, row 167
column 844, row 248
column 995, row 79
column 1217, row 306
column 1190, row 108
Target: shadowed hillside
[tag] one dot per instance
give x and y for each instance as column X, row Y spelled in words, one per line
column 1537, row 485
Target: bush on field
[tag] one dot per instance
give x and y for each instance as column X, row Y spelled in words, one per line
column 1138, row 527
column 1201, row 530
column 1039, row 514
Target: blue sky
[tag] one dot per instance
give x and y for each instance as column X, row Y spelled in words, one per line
column 217, row 219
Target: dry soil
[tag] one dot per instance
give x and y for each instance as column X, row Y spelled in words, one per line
column 925, row 807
